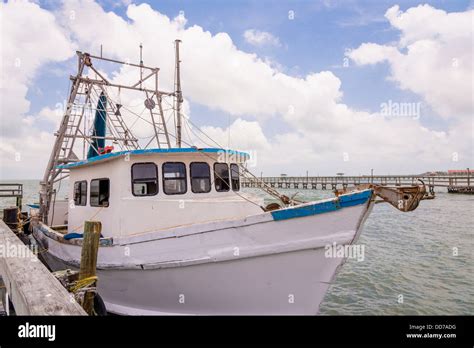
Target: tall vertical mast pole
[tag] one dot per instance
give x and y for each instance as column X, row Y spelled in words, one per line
column 178, row 96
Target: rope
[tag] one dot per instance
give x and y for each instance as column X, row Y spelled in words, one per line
column 41, row 251
column 83, row 283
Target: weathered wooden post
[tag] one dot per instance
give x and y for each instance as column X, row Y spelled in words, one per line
column 90, row 249
column 10, row 217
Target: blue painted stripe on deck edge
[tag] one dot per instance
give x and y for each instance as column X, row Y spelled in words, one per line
column 355, row 199
column 323, row 207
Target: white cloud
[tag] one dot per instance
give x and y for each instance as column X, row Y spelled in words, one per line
column 433, row 57
column 261, row 38
column 320, row 128
column 25, row 157
column 53, row 116
column 241, row 134
column 371, row 53
column 27, row 36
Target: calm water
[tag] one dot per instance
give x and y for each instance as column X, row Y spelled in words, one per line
column 409, row 254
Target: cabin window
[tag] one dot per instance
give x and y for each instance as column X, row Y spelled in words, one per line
column 144, row 179
column 234, row 176
column 174, row 178
column 80, row 193
column 100, row 190
column 200, row 177
column 221, row 177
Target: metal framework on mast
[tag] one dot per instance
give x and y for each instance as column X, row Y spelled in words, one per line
column 83, row 96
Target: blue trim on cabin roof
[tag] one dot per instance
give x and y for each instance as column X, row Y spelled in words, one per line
column 345, row 201
column 151, row 151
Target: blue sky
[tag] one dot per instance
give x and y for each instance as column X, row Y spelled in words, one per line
column 311, row 55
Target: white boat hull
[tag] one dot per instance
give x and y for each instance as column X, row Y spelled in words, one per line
column 271, row 263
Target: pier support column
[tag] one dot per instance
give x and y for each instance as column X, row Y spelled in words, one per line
column 431, row 190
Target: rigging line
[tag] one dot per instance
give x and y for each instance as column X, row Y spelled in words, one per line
column 199, row 138
column 186, row 127
column 89, row 141
column 146, row 137
column 136, row 119
column 112, row 128
column 135, row 114
column 199, row 129
column 265, row 187
column 171, row 107
column 271, row 191
column 169, row 116
column 167, row 102
column 230, row 176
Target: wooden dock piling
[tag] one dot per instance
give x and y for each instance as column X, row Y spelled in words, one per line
column 90, row 249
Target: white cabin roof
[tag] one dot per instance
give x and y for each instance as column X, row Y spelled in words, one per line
column 113, row 155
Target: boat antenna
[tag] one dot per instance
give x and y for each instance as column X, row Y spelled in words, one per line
column 178, row 95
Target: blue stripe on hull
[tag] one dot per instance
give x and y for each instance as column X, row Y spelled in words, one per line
column 355, row 199
column 345, row 201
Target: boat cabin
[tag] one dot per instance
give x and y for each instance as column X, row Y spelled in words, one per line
column 139, row 191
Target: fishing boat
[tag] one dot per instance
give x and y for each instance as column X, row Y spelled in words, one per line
column 179, row 236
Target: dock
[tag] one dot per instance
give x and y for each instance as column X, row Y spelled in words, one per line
column 454, row 183
column 30, row 286
column 12, row 191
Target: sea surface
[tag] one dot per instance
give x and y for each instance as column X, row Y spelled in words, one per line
column 416, row 263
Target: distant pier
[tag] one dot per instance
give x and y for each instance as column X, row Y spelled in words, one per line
column 454, row 183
